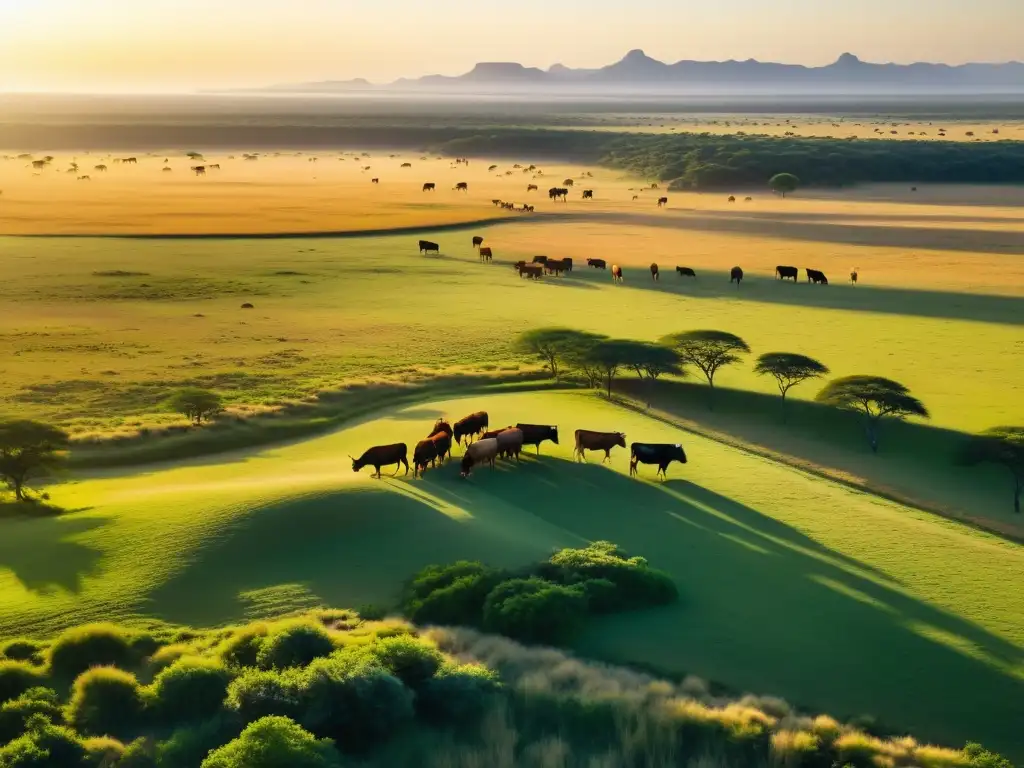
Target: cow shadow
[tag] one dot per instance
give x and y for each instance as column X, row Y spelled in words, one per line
column 43, row 555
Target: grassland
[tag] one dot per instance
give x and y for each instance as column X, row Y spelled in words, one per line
column 787, row 585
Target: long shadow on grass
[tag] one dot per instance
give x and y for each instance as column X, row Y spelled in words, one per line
column 764, row 606
column 41, row 554
column 1007, row 310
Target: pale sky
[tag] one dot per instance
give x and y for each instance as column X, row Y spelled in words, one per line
column 181, row 45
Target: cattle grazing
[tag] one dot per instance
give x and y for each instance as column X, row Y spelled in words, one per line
column 736, row 275
column 654, row 272
column 732, row 199
column 654, row 186
column 535, row 271
column 588, row 194
column 787, row 272
column 685, row 272
column 470, row 426
column 535, row 434
column 199, row 170
column 166, row 169
column 493, row 433
column 662, row 201
column 478, row 453
column 441, row 426
column 100, row 168
column 426, row 247
column 425, row 453
column 597, row 263
column 215, row 167
column 37, row 164
column 510, row 443
column 407, row 165
column 491, row 167
column 568, row 182
column 130, row 160
column 540, row 259
column 531, row 187
column 567, row 264
column 518, row 264
column 429, row 187
column 616, row 273
column 817, row 277
column 383, row 456
column 84, row 178
column 636, row 197
column 853, row 275
column 748, row 200
column 496, row 202
column 375, row 181
column 477, row 241
column 554, row 267
column 587, row 440
column 661, row 454
column 527, row 208
column 485, row 254
column 558, row 192
column 462, row 187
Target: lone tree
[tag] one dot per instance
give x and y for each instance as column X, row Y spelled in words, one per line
column 784, row 183
column 554, row 346
column 28, row 449
column 707, row 350
column 196, row 404
column 999, row 445
column 875, row 397
column 788, row 370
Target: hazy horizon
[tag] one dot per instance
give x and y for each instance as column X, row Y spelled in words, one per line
column 188, row 45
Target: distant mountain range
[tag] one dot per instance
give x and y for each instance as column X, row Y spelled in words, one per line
column 639, row 72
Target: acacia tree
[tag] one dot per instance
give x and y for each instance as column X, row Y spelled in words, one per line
column 654, row 360
column 605, row 358
column 554, row 346
column 28, row 449
column 999, row 445
column 784, row 183
column 874, row 397
column 708, row 351
column 196, row 404
column 789, row 369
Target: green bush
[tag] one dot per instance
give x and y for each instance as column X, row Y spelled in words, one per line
column 243, row 647
column 44, row 745
column 274, row 742
column 452, row 594
column 141, row 753
column 411, row 660
column 637, row 584
column 187, row 746
column 106, row 701
column 16, row 713
column 102, row 752
column 294, row 645
column 21, row 649
column 602, row 595
column 456, row 695
column 980, row 757
column 92, row 645
column 259, row 693
column 16, row 677
column 190, row 689
column 535, row 611
column 353, row 700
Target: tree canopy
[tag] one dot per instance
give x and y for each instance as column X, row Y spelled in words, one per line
column 789, row 369
column 554, row 346
column 784, row 183
column 875, row 397
column 707, row 350
column 198, row 405
column 1003, row 446
column 28, row 449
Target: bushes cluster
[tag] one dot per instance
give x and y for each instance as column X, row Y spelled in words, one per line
column 548, row 603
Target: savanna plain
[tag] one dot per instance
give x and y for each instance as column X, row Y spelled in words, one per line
column 808, row 567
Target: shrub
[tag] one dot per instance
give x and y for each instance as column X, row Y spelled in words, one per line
column 452, row 594
column 294, row 645
column 192, row 688
column 602, row 595
column 259, row 693
column 44, row 745
column 102, row 751
column 106, row 701
column 638, row 585
column 16, row 677
column 857, row 749
column 457, row 694
column 350, row 698
column 535, row 610
column 794, row 748
column 274, row 742
column 980, row 757
column 187, row 747
column 169, row 654
column 243, row 647
column 16, row 714
column 21, row 649
column 411, row 660
column 141, row 753
column 92, row 645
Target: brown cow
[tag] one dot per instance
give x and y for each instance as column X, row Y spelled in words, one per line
column 472, row 425
column 383, row 456
column 375, row 181
column 462, row 187
column 534, row 271
column 736, row 275
column 477, row 241
column 654, row 272
column 662, row 201
column 616, row 273
column 485, row 254
column 597, row 441
column 429, row 187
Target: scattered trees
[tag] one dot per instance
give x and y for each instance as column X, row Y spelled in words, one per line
column 709, row 351
column 999, row 445
column 554, row 346
column 197, row 405
column 28, row 449
column 784, row 183
column 789, row 369
column 875, row 397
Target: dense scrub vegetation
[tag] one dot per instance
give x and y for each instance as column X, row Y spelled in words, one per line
column 328, row 689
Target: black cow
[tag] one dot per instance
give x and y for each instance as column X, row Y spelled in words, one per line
column 661, row 200
column 654, row 272
column 535, row 271
column 553, row 267
column 535, row 434
column 661, row 454
column 531, row 187
column 478, row 241
column 597, row 263
column 736, row 275
column 383, row 456
column 435, row 448
column 486, row 254
column 567, row 264
column 816, row 277
column 429, row 187
column 374, row 181
column 462, row 187
column 472, row 425
column 426, row 247
column 540, row 259
column 685, row 272
column 588, row 194
column 784, row 272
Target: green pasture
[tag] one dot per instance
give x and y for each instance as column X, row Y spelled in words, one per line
column 792, row 585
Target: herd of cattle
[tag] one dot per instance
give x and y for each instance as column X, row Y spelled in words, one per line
column 508, row 443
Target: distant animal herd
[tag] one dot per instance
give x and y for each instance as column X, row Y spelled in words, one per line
column 486, row 446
